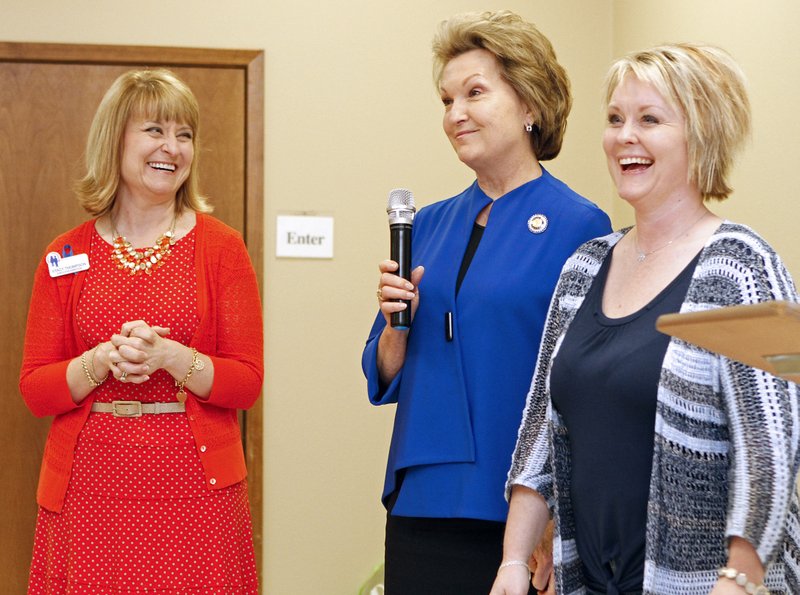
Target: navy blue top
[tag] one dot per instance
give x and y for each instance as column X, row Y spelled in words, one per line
column 459, row 402
column 603, row 384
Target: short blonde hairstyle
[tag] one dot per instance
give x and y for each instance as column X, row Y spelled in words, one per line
column 152, row 93
column 708, row 87
column 528, row 63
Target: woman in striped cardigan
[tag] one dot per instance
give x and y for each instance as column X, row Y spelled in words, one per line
column 668, row 469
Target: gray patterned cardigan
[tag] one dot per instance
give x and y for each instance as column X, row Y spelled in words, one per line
column 725, row 454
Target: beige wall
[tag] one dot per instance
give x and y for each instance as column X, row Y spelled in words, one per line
column 350, row 114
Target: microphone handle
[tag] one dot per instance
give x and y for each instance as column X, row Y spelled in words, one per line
column 401, row 253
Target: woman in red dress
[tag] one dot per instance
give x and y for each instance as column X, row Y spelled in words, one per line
column 144, row 337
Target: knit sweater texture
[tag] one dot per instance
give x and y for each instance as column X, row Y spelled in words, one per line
column 726, row 448
column 230, row 332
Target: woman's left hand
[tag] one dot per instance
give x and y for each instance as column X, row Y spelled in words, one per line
column 726, row 587
column 541, row 564
column 543, row 579
column 139, row 350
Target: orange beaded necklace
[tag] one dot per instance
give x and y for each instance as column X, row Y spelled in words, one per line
column 133, row 260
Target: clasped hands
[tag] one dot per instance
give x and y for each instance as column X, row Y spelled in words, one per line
column 137, row 351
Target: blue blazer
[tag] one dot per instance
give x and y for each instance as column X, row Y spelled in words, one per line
column 459, row 402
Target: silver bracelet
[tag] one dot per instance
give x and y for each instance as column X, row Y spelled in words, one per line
column 517, row 563
column 740, row 578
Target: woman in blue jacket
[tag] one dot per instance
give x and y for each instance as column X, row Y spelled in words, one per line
column 491, row 257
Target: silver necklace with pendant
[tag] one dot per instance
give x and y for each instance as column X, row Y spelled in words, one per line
column 641, row 255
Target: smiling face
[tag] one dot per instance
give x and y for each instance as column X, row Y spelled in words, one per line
column 645, row 144
column 156, row 158
column 484, row 117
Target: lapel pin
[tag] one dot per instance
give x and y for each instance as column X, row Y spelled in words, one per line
column 537, row 223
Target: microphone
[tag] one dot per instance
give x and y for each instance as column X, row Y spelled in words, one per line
column 400, row 209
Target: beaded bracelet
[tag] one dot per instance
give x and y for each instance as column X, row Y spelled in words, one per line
column 91, row 367
column 92, row 381
column 516, row 563
column 740, row 578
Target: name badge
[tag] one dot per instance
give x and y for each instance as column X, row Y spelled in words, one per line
column 67, row 265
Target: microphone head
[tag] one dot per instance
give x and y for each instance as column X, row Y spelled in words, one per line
column 400, row 207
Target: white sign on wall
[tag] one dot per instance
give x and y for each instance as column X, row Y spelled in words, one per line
column 303, row 236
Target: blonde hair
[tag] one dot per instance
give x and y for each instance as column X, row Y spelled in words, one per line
column 528, row 63
column 708, row 87
column 154, row 93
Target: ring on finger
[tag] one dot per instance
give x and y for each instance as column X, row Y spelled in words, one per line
column 124, row 377
column 379, row 293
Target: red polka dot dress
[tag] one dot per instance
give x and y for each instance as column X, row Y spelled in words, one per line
column 138, row 517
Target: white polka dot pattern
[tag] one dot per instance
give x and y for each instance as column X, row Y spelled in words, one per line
column 138, row 517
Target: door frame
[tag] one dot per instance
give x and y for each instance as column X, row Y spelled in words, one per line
column 251, row 62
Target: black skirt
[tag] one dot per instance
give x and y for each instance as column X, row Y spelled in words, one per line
column 441, row 556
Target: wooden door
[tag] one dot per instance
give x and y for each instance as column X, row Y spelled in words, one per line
column 48, row 95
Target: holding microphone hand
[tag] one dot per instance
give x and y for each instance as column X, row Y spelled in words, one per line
column 392, row 343
column 392, row 287
column 398, row 292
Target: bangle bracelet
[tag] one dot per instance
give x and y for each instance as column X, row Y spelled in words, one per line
column 740, row 578
column 515, row 563
column 197, row 364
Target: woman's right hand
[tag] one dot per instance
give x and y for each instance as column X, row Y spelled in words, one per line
column 512, row 580
column 392, row 343
column 392, row 287
column 526, row 524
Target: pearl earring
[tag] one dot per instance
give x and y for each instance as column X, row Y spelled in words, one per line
column 528, row 127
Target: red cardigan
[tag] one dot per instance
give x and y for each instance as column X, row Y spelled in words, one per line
column 230, row 333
